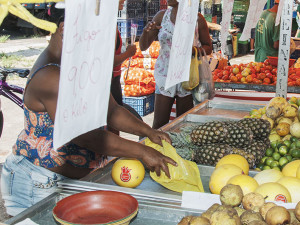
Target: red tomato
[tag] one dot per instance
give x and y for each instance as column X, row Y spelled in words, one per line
column 261, row 76
column 267, row 81
column 298, row 82
column 249, row 79
column 234, row 79
column 269, row 75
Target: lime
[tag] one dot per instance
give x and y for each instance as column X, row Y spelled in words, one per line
column 276, row 149
column 298, row 143
column 274, row 144
column 293, row 145
column 263, row 159
column 293, row 139
column 289, row 157
column 276, row 168
column 283, row 161
column 274, row 164
column 283, row 150
column 276, row 156
column 295, row 153
column 279, row 145
column 260, row 166
column 268, row 161
column 269, row 152
column 287, row 143
column 266, row 168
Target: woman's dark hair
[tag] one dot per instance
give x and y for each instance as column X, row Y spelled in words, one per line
column 56, row 15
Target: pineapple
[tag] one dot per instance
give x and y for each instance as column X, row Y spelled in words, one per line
column 257, row 149
column 261, row 128
column 186, row 153
column 207, row 133
column 238, row 136
column 248, row 156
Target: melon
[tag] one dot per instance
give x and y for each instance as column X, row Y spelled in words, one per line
column 221, row 175
column 274, row 192
column 235, row 159
column 247, row 183
column 293, row 185
column 128, row 172
column 267, row 176
column 290, row 169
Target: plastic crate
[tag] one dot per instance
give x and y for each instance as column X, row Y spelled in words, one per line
column 143, row 105
column 124, row 26
column 136, row 9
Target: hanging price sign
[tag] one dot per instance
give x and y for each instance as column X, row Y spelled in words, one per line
column 284, row 49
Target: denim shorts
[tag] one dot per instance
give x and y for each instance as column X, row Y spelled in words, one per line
column 23, row 184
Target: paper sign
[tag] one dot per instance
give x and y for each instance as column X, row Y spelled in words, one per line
column 255, row 9
column 182, row 41
column 199, row 200
column 226, row 18
column 284, row 49
column 87, row 61
column 279, row 11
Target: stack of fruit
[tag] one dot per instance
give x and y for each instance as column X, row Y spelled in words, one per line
column 255, row 73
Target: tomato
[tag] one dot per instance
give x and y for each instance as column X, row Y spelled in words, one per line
column 269, row 75
column 267, row 80
column 257, row 81
column 243, row 80
column 239, row 76
column 268, row 67
column 261, row 76
column 274, row 71
column 249, row 79
column 298, row 82
column 220, row 75
column 267, row 62
column 234, row 79
column 254, row 75
column 225, row 77
column 225, row 72
column 215, row 77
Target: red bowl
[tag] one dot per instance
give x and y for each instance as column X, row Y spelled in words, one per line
column 96, row 207
column 274, row 61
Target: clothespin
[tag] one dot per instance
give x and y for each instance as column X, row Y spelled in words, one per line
column 97, row 10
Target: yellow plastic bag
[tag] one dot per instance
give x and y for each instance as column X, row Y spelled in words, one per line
column 194, row 73
column 184, row 177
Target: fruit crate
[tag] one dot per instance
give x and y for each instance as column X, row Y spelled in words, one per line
column 143, row 105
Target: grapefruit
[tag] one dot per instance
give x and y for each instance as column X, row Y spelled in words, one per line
column 247, row 183
column 267, row 176
column 293, row 185
column 274, row 192
column 290, row 169
column 235, row 159
column 221, row 175
column 127, row 172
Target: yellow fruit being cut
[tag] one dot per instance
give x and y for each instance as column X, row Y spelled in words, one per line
column 274, row 192
column 247, row 183
column 221, row 175
column 290, row 169
column 267, row 176
column 235, row 159
column 293, row 185
column 128, row 172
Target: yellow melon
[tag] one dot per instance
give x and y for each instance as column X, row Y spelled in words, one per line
column 247, row 183
column 128, row 172
column 235, row 159
column 274, row 192
column 290, row 169
column 221, row 175
column 293, row 185
column 267, row 176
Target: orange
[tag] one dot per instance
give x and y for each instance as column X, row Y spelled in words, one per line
column 128, row 172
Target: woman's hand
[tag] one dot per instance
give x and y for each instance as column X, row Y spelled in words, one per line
column 151, row 26
column 155, row 161
column 131, row 50
column 157, row 136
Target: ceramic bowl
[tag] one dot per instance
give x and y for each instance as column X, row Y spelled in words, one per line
column 96, row 208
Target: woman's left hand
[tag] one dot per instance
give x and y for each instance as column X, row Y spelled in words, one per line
column 157, row 136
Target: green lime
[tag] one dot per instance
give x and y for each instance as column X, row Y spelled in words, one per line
column 279, row 145
column 276, row 156
column 287, row 143
column 266, row 168
column 274, row 164
column 263, row 159
column 289, row 157
column 295, row 153
column 276, row 149
column 268, row 161
column 283, row 161
column 276, row 168
column 298, row 143
column 293, row 145
column 260, row 166
column 274, row 144
column 269, row 152
column 293, row 139
column 283, row 150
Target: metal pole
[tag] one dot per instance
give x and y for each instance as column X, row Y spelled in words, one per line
column 284, row 49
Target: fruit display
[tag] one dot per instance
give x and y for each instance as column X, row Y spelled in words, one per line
column 255, row 73
column 250, row 209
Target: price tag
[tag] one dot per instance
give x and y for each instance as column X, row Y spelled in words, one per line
column 284, row 49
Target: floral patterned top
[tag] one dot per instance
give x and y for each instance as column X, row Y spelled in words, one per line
column 35, row 143
column 162, row 63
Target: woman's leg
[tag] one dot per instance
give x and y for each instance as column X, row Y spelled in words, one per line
column 162, row 110
column 183, row 104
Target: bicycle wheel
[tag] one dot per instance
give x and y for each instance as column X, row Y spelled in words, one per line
column 1, row 122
